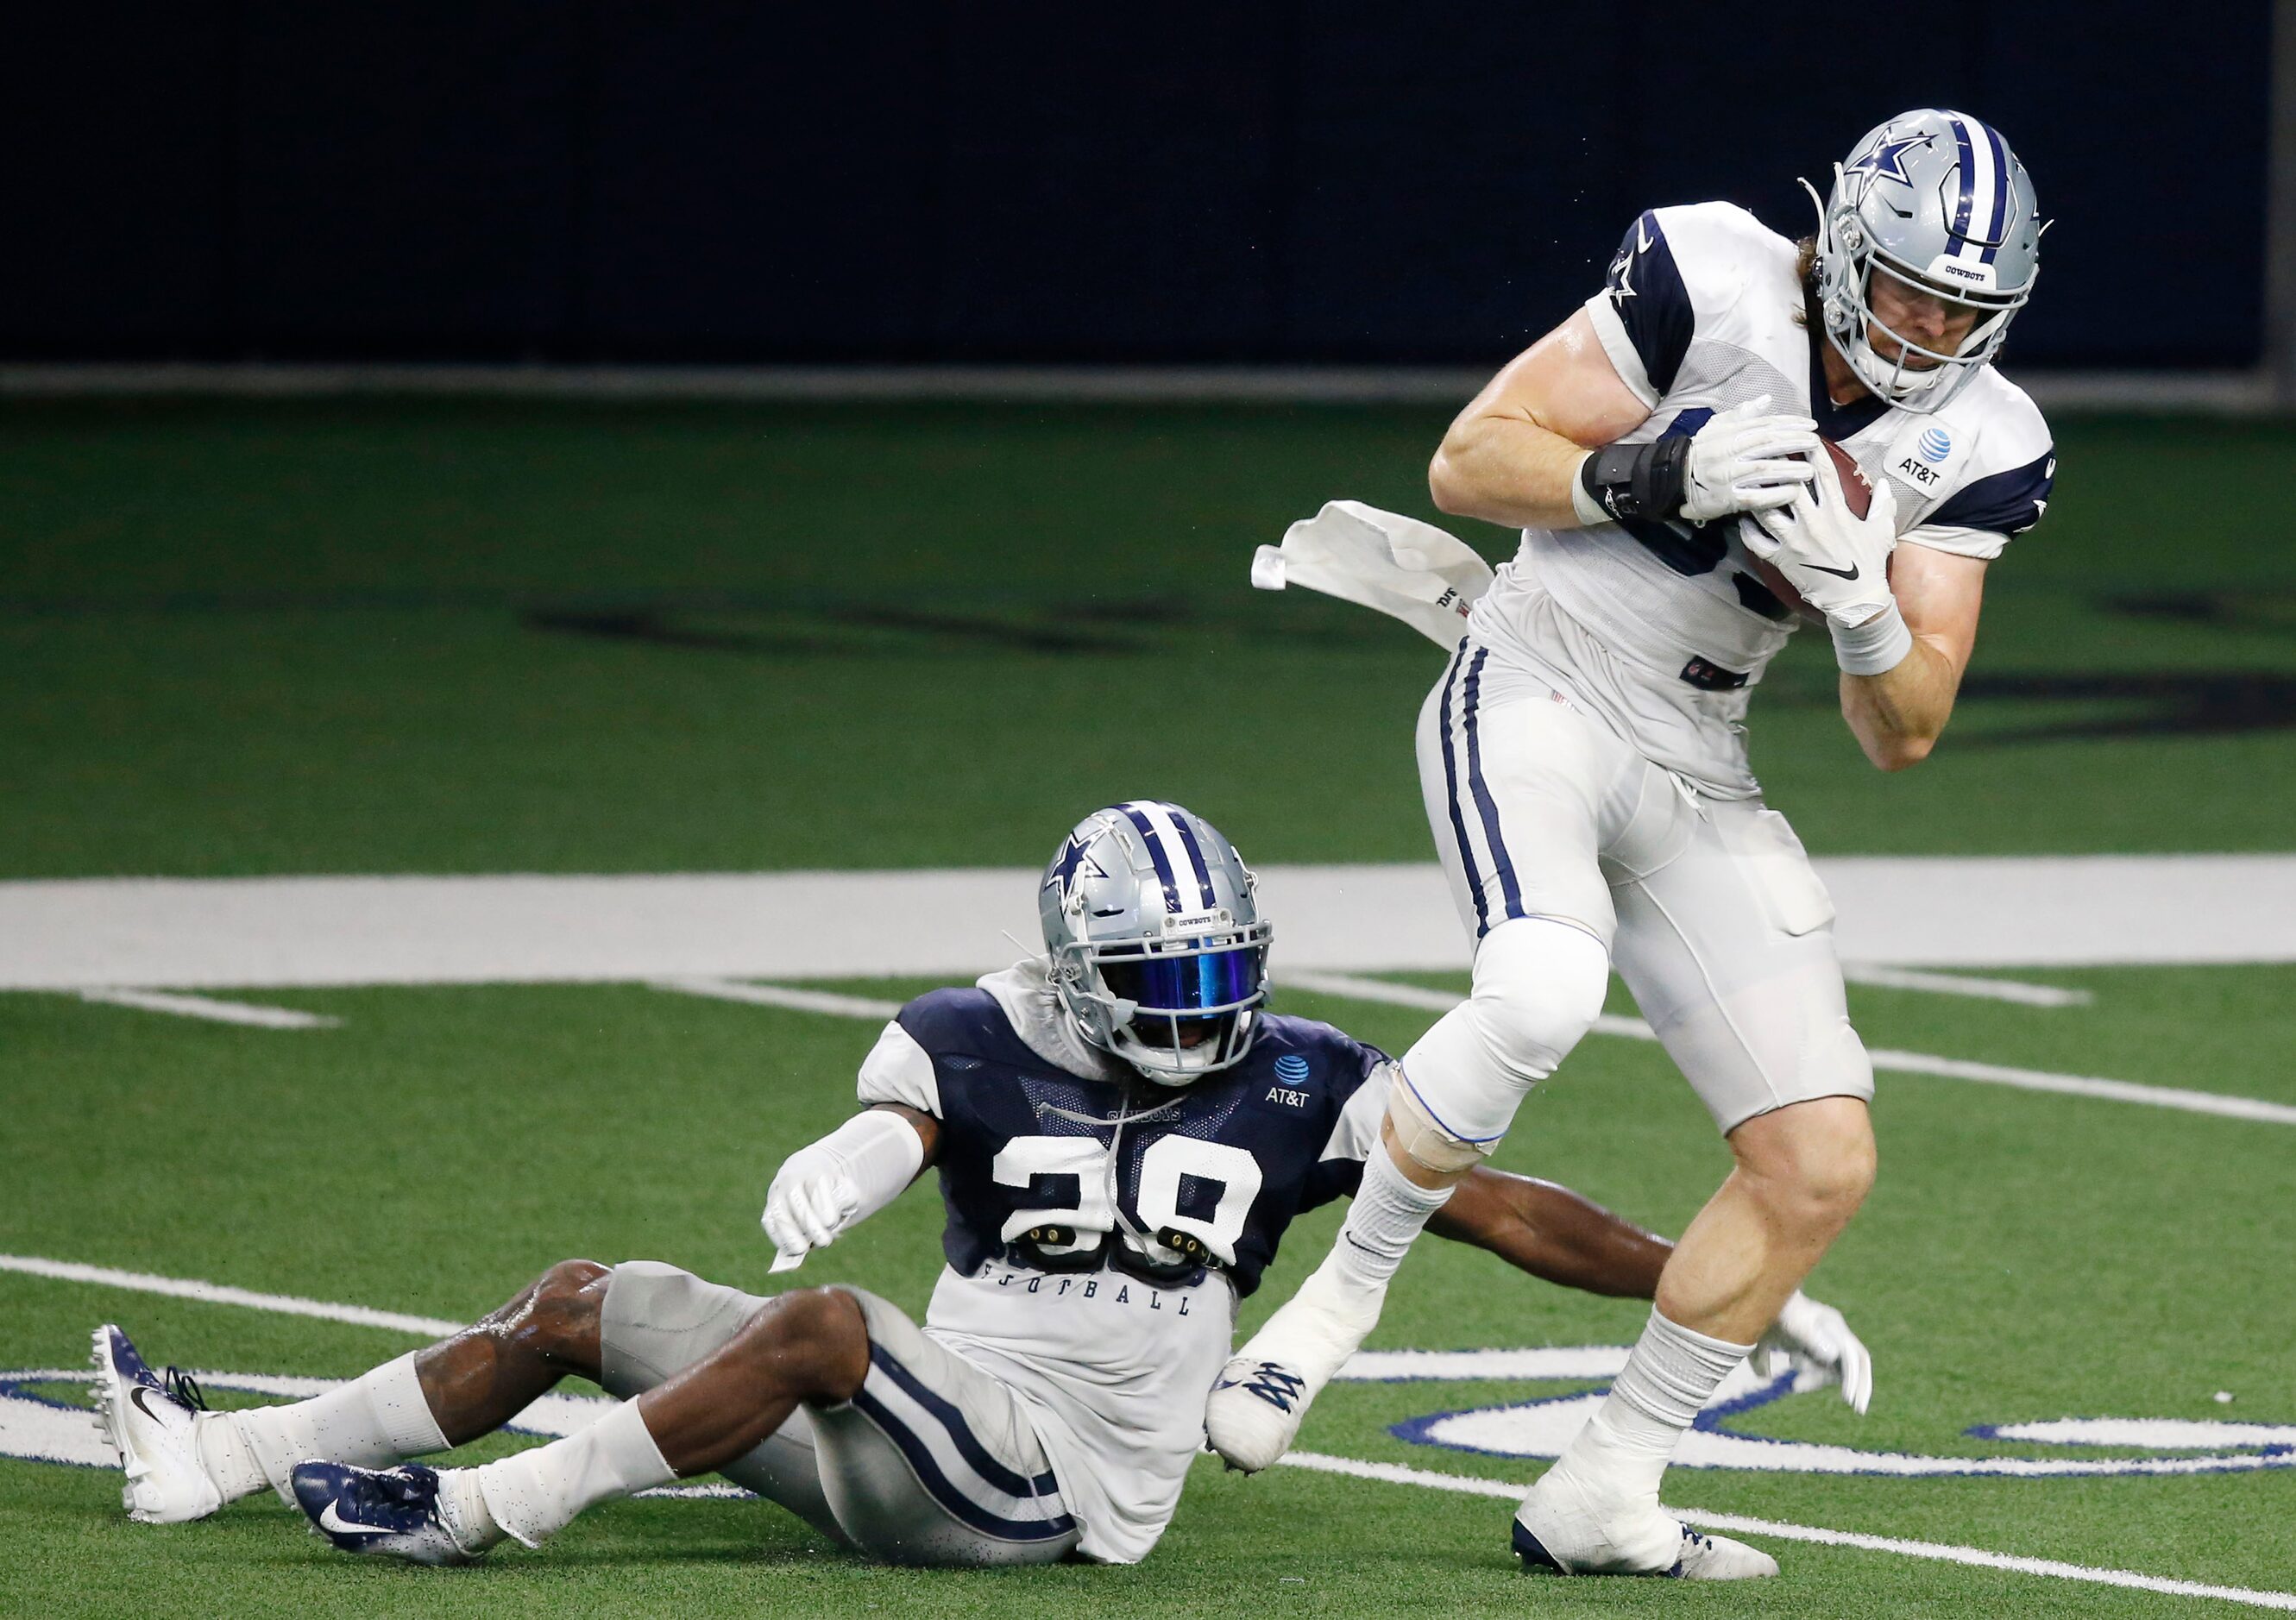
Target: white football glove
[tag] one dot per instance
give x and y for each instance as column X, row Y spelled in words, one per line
column 844, row 1178
column 1841, row 564
column 811, row 1199
column 1743, row 461
column 1814, row 1342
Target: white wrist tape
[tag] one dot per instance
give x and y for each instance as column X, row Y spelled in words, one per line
column 1589, row 509
column 881, row 1153
column 1875, row 647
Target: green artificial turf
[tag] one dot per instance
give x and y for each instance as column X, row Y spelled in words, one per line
column 2024, row 1256
column 445, row 637
column 438, row 637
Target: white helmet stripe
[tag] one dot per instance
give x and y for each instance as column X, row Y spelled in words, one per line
column 1984, row 189
column 1188, row 834
column 1140, row 812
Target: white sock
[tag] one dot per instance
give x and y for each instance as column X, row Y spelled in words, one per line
column 1386, row 1215
column 1625, row 1447
column 462, row 1510
column 376, row 1419
column 1319, row 1327
column 537, row 1492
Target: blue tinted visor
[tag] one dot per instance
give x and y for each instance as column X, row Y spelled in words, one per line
column 1195, row 982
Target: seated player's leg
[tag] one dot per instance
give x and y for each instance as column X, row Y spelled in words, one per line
column 1524, row 795
column 827, row 1400
column 184, row 1462
column 928, row 1459
column 934, row 1461
column 746, row 1365
column 658, row 1321
column 1729, row 952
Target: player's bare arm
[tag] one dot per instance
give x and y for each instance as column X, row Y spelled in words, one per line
column 1898, row 715
column 1561, row 1237
column 1554, row 1233
column 1512, row 457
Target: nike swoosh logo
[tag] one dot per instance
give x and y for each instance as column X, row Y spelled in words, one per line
column 1848, row 573
column 329, row 1519
column 136, row 1395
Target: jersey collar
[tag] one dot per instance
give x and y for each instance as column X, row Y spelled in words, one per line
column 1838, row 422
column 1024, row 991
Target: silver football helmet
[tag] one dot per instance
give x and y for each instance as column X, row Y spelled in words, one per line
column 1158, row 949
column 1937, row 201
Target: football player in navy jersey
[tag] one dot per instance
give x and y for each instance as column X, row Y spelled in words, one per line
column 1122, row 1134
column 1584, row 759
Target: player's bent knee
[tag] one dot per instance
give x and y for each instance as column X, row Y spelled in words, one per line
column 818, row 1333
column 568, row 1301
column 569, row 1279
column 1539, row 985
column 1816, row 1160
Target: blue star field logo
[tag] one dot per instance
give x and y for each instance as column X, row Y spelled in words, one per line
column 1888, row 161
column 1066, row 864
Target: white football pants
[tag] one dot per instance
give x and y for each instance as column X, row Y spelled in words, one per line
column 1549, row 825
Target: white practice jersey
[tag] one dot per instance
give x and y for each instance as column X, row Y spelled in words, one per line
column 1100, row 1228
column 1662, row 627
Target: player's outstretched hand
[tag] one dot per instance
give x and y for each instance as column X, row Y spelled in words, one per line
column 1839, row 561
column 811, row 1199
column 1815, row 1342
column 1745, row 459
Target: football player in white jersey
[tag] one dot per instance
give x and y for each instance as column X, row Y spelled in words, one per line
column 1584, row 763
column 1122, row 1134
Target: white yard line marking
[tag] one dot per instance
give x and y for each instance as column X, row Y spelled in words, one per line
column 207, row 1007
column 288, row 1304
column 781, row 995
column 1976, row 1557
column 241, row 933
column 1956, row 984
column 216, row 1293
column 2084, row 1085
column 2254, row 1109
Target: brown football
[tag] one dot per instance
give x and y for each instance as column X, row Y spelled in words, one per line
column 1856, row 488
column 1857, row 493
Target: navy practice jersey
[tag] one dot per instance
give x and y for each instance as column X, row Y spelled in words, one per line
column 1050, row 1170
column 1099, row 1227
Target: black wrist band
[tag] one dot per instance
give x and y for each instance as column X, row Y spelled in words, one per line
column 1638, row 480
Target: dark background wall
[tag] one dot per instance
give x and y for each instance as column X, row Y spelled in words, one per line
column 1227, row 181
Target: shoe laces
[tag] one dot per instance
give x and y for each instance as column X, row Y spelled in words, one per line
column 405, row 1487
column 184, row 1389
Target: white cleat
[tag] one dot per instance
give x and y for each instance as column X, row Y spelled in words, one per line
column 148, row 1421
column 1254, row 1412
column 1262, row 1395
column 1558, row 1531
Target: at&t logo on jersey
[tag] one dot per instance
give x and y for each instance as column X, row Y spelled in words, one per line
column 1925, row 467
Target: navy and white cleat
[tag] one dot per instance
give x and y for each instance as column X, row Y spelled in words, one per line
column 393, row 1512
column 1698, row 1557
column 148, row 1421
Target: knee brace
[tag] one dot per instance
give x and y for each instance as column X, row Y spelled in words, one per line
column 1539, row 985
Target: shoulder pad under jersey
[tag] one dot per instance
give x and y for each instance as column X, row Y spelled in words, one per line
column 1678, row 272
column 1976, row 473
